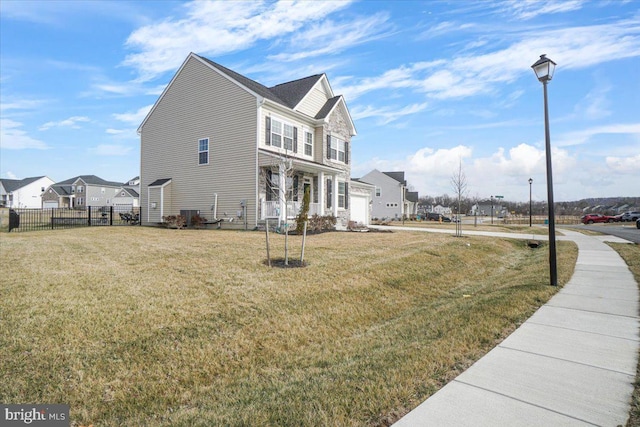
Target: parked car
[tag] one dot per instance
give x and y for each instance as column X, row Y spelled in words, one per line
column 618, row 218
column 638, row 223
column 630, row 216
column 591, row 218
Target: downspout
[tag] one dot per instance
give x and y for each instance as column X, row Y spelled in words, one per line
column 214, row 208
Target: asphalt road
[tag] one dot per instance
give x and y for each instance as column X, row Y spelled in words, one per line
column 625, row 230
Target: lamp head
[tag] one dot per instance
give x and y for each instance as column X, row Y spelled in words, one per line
column 544, row 68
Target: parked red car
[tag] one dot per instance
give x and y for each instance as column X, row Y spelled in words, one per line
column 591, row 218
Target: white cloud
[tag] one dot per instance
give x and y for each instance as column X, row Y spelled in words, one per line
column 528, row 9
column 469, row 75
column 12, row 137
column 134, row 118
column 71, row 122
column 583, row 136
column 624, row 165
column 386, row 115
column 216, row 28
column 115, row 131
column 330, row 38
column 11, row 175
column 21, row 104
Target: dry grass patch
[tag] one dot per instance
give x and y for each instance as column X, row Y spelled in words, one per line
column 484, row 226
column 143, row 326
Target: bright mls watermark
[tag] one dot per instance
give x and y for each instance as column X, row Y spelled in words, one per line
column 34, row 415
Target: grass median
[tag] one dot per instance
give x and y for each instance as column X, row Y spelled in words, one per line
column 144, row 326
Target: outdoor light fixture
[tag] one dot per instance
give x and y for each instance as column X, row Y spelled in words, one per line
column 530, row 182
column 544, row 68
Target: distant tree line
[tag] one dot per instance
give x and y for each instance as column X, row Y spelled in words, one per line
column 604, row 205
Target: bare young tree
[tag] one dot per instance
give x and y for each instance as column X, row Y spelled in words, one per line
column 459, row 185
column 280, row 181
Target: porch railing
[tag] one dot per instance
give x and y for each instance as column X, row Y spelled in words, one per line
column 273, row 209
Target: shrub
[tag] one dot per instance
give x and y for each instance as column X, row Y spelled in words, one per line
column 319, row 223
column 174, row 221
column 197, row 221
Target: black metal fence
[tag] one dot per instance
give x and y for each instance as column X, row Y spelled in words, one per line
column 55, row 218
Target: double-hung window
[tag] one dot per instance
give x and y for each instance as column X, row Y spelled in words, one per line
column 337, row 149
column 287, row 137
column 342, row 193
column 276, row 133
column 308, row 143
column 203, row 151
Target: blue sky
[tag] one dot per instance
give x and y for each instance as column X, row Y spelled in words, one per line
column 429, row 84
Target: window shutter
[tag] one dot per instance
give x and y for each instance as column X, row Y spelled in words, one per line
column 346, row 152
column 329, row 190
column 328, row 146
column 295, row 140
column 346, row 195
column 267, row 126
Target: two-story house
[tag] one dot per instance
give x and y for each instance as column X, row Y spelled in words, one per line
column 23, row 193
column 80, row 192
column 391, row 197
column 231, row 148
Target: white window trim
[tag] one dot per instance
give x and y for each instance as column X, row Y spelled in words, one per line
column 337, row 141
column 343, row 194
column 283, row 123
column 306, row 131
column 203, row 151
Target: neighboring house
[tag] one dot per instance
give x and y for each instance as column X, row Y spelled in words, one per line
column 23, row 193
column 229, row 147
column 129, row 194
column 486, row 209
column 82, row 191
column 411, row 203
column 439, row 209
column 391, row 198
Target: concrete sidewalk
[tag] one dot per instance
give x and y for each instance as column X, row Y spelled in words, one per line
column 572, row 363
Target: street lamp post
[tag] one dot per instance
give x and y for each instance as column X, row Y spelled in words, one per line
column 491, row 210
column 530, row 182
column 544, row 68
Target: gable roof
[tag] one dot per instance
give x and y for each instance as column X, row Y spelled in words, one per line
column 328, row 107
column 15, row 184
column 288, row 94
column 398, row 176
column 90, row 180
column 294, row 91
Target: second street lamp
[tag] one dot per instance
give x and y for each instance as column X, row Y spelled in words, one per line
column 530, row 182
column 544, row 68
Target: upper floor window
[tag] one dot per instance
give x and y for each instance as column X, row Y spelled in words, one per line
column 203, row 151
column 308, row 143
column 378, row 191
column 280, row 134
column 337, row 149
column 80, row 188
column 288, row 137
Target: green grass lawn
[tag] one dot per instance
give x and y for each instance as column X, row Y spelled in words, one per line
column 144, row 326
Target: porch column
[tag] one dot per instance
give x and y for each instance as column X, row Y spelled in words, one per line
column 321, row 193
column 334, row 202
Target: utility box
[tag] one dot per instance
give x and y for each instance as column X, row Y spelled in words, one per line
column 188, row 214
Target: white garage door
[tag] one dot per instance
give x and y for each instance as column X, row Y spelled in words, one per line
column 48, row 205
column 359, row 209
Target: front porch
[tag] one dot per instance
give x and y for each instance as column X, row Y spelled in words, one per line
column 273, row 209
column 283, row 182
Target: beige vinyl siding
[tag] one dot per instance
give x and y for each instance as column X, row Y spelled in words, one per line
column 201, row 103
column 294, row 121
column 153, row 215
column 314, row 101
